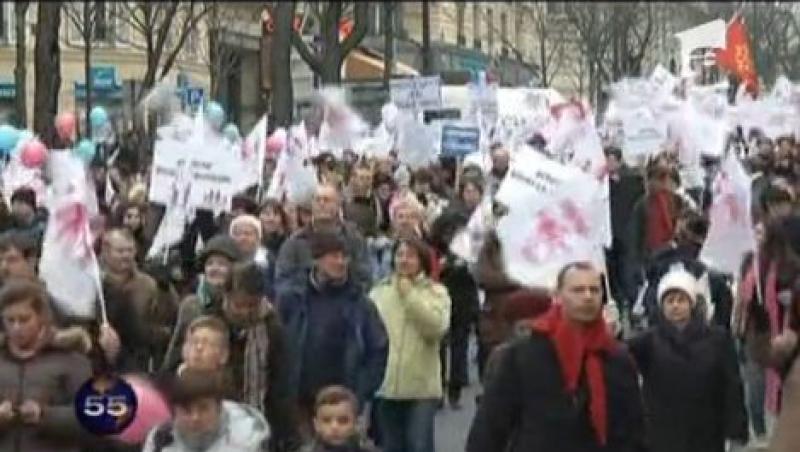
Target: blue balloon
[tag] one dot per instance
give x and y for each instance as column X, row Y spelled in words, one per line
column 85, row 150
column 231, row 132
column 215, row 114
column 98, row 117
column 23, row 137
column 8, row 138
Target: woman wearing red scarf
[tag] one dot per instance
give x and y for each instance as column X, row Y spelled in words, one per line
column 568, row 386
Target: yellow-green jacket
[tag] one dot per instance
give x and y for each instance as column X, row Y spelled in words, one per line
column 416, row 324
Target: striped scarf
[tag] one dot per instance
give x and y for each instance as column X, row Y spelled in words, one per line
column 256, row 353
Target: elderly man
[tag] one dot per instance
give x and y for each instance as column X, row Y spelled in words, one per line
column 565, row 386
column 295, row 255
column 121, row 275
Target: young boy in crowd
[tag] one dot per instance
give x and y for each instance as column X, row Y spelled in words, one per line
column 335, row 422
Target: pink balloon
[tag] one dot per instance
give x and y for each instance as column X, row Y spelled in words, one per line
column 34, row 153
column 65, row 125
column 276, row 142
column 152, row 410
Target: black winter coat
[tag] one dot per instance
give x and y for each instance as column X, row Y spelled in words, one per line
column 526, row 409
column 692, row 389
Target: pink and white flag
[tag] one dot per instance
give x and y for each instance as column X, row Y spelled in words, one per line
column 68, row 265
column 730, row 233
column 566, row 226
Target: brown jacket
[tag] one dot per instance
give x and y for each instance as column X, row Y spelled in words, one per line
column 506, row 301
column 51, row 377
column 157, row 310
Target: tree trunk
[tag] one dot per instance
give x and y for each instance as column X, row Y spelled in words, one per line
column 427, row 68
column 282, row 100
column 388, row 42
column 47, row 71
column 21, row 70
column 88, row 28
column 214, row 56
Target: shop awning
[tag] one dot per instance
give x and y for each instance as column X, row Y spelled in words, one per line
column 359, row 65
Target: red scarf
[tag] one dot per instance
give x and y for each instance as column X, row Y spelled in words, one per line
column 659, row 220
column 576, row 347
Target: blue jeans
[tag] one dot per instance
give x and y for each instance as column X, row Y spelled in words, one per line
column 755, row 391
column 407, row 425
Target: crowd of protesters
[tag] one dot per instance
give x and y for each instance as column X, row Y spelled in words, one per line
column 343, row 321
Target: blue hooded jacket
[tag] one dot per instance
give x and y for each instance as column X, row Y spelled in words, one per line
column 364, row 342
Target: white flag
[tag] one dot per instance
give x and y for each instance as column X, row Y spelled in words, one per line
column 467, row 242
column 540, row 238
column 68, row 265
column 730, row 233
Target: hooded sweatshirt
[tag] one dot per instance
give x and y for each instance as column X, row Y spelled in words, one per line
column 242, row 429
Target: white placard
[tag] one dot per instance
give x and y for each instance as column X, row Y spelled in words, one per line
column 642, row 133
column 192, row 174
column 418, row 93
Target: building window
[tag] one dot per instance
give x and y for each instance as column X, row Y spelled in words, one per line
column 191, row 43
column 399, row 29
column 490, row 30
column 555, row 8
column 5, row 8
column 504, row 29
column 101, row 25
column 377, row 18
column 8, row 22
column 476, row 26
column 460, row 10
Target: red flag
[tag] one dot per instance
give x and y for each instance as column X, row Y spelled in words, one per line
column 737, row 56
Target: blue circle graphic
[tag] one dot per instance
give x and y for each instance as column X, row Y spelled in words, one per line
column 105, row 405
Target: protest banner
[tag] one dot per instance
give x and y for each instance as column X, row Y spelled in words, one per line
column 192, row 175
column 251, row 154
column 730, row 233
column 531, row 177
column 417, row 93
column 540, row 236
column 458, row 141
column 643, row 133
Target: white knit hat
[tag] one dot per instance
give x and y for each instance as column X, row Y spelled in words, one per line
column 678, row 279
column 248, row 220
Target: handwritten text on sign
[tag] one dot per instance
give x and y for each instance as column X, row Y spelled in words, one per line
column 418, row 93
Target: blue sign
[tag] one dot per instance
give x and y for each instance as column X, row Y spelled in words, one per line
column 104, row 77
column 105, row 405
column 458, row 141
column 194, row 96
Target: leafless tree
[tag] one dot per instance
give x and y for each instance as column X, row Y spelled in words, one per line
column 280, row 72
column 160, row 29
column 47, row 71
column 550, row 43
column 221, row 59
column 153, row 24
column 591, row 24
column 327, row 60
column 84, row 16
column 20, row 69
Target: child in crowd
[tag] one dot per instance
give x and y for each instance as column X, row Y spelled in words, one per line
column 335, row 422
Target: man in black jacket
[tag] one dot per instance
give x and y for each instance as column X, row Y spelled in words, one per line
column 568, row 386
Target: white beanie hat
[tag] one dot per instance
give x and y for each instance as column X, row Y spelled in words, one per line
column 678, row 279
column 246, row 220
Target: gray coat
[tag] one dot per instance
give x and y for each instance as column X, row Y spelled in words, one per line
column 51, row 377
